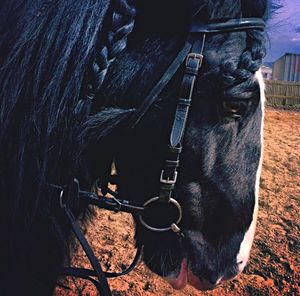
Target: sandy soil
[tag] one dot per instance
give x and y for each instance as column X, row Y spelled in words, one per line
column 274, row 265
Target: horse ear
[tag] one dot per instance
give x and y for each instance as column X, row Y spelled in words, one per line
column 258, row 8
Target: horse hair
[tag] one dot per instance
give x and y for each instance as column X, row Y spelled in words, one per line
column 53, row 55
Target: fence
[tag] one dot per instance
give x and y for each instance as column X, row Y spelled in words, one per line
column 280, row 93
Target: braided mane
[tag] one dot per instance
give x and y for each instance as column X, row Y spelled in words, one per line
column 120, row 21
column 235, row 74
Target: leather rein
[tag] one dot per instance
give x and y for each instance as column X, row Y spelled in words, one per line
column 191, row 56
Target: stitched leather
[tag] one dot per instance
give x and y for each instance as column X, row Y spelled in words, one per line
column 228, row 26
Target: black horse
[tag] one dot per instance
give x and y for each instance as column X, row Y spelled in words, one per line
column 73, row 75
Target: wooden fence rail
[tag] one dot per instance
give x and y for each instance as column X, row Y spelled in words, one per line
column 280, row 93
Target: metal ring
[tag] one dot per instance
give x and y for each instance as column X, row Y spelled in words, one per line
column 172, row 201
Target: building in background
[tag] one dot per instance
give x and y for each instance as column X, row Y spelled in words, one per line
column 266, row 72
column 287, row 68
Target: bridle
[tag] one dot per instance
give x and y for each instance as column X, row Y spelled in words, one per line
column 191, row 56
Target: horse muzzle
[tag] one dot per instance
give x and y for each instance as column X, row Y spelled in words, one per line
column 186, row 276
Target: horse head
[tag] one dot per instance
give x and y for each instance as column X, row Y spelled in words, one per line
column 218, row 175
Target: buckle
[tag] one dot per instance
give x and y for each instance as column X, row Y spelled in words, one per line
column 168, row 180
column 68, row 190
column 196, row 56
column 118, row 205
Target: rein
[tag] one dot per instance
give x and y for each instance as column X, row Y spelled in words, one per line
column 192, row 57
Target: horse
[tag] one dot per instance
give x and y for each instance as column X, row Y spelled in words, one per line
column 73, row 82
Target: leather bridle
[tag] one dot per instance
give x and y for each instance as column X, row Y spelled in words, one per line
column 191, row 56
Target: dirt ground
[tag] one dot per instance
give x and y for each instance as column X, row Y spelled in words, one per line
column 274, row 265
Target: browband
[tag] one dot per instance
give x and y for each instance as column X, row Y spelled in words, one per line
column 228, row 26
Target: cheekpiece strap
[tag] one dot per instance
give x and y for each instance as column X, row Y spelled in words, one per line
column 193, row 63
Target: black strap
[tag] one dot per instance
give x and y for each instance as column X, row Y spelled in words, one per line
column 160, row 85
column 81, row 273
column 113, row 203
column 228, row 26
column 70, row 194
column 87, row 273
column 102, row 284
column 192, row 65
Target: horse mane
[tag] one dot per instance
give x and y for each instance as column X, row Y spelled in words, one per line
column 54, row 57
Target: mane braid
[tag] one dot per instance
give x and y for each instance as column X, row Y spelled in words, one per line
column 239, row 82
column 120, row 21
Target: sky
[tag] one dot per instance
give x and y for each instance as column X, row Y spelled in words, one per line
column 284, row 30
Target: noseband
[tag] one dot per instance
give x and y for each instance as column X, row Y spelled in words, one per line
column 191, row 56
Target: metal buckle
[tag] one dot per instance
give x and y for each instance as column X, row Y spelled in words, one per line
column 68, row 187
column 174, row 226
column 168, row 181
column 196, row 56
column 61, row 195
column 118, row 204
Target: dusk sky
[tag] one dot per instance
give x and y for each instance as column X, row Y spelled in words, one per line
column 284, row 31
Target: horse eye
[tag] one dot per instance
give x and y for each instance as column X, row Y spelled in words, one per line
column 233, row 109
